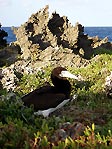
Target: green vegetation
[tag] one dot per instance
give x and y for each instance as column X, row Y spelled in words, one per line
column 20, row 128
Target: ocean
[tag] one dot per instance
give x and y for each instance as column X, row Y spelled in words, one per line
column 11, row 36
column 101, row 32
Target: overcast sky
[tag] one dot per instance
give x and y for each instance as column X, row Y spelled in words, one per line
column 86, row 12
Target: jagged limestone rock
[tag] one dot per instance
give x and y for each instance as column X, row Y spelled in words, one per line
column 42, row 31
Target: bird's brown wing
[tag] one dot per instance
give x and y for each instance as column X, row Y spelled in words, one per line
column 48, row 101
column 43, row 98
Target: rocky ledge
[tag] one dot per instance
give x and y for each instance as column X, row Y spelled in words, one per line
column 3, row 34
column 108, row 85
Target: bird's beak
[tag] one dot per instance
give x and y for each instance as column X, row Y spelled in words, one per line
column 67, row 74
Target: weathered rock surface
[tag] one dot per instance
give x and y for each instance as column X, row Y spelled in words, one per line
column 108, row 85
column 3, row 42
column 66, row 130
column 97, row 43
column 42, row 31
column 9, row 54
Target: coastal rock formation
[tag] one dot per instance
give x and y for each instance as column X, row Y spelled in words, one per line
column 108, row 85
column 42, row 31
column 98, row 43
column 10, row 79
column 3, row 42
column 9, row 54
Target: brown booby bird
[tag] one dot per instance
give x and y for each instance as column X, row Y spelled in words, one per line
column 49, row 98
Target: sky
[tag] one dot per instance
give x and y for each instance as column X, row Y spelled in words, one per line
column 86, row 12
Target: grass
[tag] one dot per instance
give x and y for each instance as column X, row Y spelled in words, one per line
column 19, row 128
